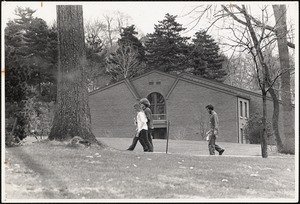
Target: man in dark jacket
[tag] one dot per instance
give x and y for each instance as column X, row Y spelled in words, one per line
column 213, row 132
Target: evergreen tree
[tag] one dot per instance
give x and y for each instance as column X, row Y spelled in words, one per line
column 206, row 60
column 128, row 37
column 166, row 49
column 35, row 48
column 30, row 63
column 17, row 75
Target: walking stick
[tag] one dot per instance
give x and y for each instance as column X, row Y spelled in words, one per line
column 168, row 130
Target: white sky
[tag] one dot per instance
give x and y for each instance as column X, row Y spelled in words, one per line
column 144, row 14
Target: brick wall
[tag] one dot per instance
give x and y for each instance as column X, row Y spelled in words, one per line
column 186, row 109
column 112, row 112
column 112, row 108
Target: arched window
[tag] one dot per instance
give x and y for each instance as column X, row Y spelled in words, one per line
column 158, row 106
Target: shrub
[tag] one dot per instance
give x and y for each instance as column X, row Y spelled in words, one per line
column 254, row 128
column 33, row 117
column 15, row 121
column 40, row 115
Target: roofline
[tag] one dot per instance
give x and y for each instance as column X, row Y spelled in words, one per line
column 106, row 87
column 152, row 71
column 132, row 89
column 227, row 88
column 219, row 84
column 127, row 83
column 172, row 88
column 222, row 84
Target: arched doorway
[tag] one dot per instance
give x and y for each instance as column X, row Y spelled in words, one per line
column 158, row 108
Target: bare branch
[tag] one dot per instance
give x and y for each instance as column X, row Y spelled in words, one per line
column 199, row 18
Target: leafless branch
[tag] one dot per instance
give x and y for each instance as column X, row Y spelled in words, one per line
column 199, row 18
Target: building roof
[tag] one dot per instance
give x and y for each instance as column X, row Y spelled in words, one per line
column 189, row 78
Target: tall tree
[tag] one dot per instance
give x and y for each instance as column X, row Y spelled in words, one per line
column 281, row 34
column 128, row 37
column 30, row 64
column 207, row 60
column 265, row 36
column 166, row 49
column 72, row 114
column 35, row 46
column 255, row 47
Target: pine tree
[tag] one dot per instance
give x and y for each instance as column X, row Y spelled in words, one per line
column 30, row 62
column 128, row 37
column 206, row 60
column 35, row 48
column 166, row 49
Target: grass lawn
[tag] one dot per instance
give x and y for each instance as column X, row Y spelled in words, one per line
column 51, row 170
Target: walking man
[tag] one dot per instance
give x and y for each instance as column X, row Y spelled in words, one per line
column 213, row 131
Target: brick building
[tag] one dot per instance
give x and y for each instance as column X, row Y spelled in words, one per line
column 179, row 99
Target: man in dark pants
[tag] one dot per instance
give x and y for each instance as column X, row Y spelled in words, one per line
column 213, row 132
column 146, row 107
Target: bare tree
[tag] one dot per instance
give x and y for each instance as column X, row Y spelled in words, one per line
column 95, row 52
column 124, row 62
column 265, row 82
column 72, row 114
column 110, row 30
column 114, row 23
column 248, row 29
column 241, row 72
column 122, row 21
column 95, row 33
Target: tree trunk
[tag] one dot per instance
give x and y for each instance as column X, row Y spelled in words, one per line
column 72, row 114
column 275, row 120
column 264, row 143
column 288, row 116
column 266, row 79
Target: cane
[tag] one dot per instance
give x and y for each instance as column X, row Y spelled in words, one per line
column 168, row 130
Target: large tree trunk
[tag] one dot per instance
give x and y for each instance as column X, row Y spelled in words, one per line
column 288, row 116
column 72, row 115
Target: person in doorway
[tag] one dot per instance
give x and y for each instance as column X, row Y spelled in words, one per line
column 141, row 129
column 146, row 107
column 213, row 131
